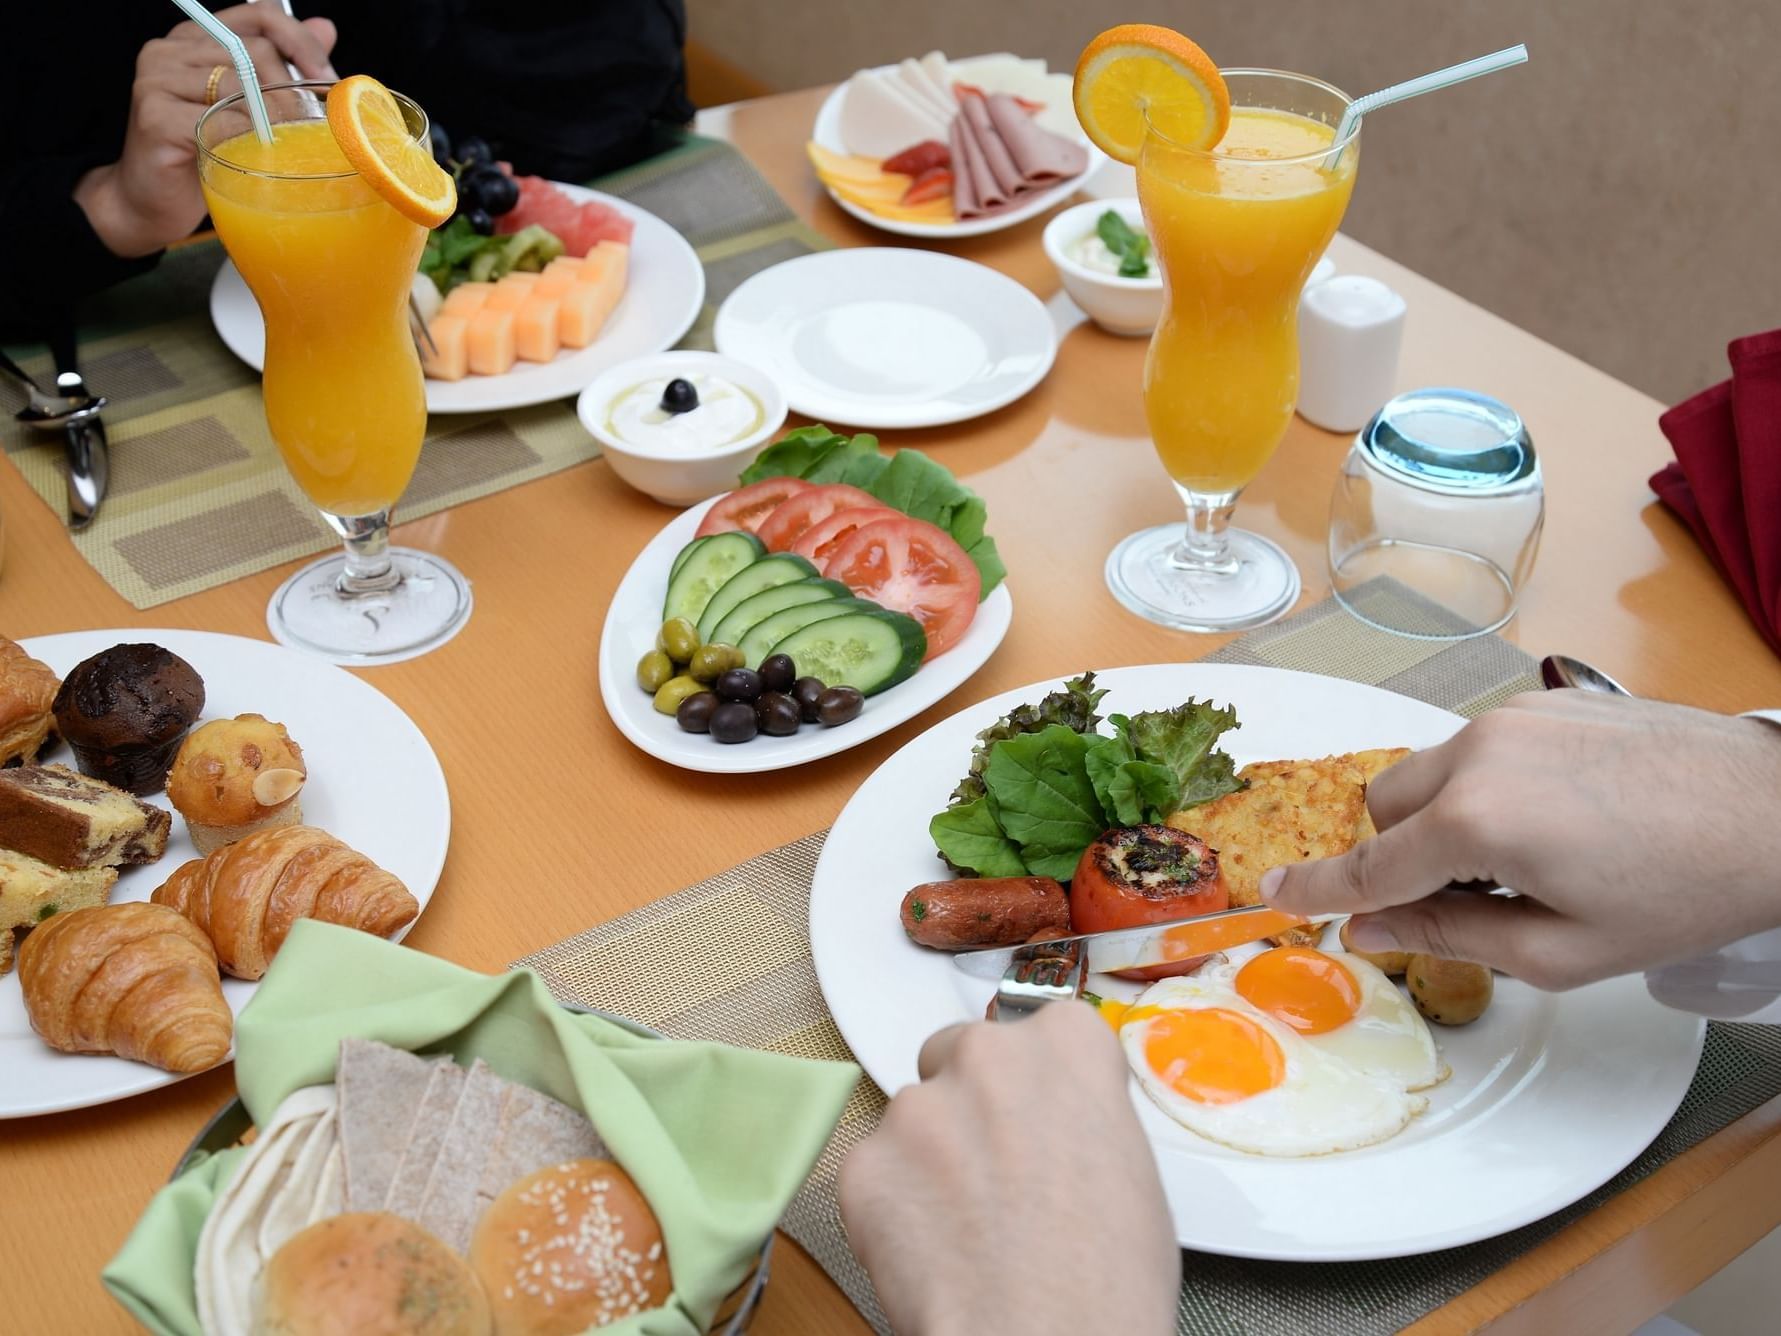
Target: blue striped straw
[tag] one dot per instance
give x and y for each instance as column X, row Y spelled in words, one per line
column 1427, row 83
column 244, row 65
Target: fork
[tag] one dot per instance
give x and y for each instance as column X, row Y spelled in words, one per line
column 1036, row 977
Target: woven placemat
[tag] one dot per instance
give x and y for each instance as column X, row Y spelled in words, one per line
column 198, row 495
column 729, row 960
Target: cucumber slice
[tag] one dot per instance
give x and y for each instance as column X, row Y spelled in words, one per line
column 685, row 552
column 704, row 572
column 760, row 639
column 757, row 607
column 782, row 568
column 871, row 649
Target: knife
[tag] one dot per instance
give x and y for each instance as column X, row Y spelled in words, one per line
column 84, row 443
column 1149, row 944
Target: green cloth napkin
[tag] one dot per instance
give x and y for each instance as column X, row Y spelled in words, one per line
column 717, row 1138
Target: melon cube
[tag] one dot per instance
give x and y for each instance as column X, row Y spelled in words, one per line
column 466, row 299
column 586, row 307
column 490, row 339
column 535, row 336
column 452, row 359
column 508, row 296
column 616, row 252
column 563, row 264
column 553, row 285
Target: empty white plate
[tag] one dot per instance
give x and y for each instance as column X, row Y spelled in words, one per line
column 886, row 338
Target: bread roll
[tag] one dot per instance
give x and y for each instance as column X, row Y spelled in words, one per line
column 369, row 1274
column 568, row 1248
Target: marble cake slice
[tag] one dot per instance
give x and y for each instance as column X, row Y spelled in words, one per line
column 65, row 819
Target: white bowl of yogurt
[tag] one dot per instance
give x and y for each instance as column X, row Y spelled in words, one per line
column 681, row 426
column 1090, row 271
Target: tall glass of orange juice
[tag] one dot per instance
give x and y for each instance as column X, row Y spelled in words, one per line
column 1236, row 230
column 331, row 264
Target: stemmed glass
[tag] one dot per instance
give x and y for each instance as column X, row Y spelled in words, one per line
column 1236, row 231
column 331, row 264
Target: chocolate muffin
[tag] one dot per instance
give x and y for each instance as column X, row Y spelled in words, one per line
column 126, row 710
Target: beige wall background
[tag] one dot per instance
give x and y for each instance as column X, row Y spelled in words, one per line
column 1619, row 195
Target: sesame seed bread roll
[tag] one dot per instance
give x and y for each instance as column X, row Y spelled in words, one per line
column 369, row 1274
column 569, row 1248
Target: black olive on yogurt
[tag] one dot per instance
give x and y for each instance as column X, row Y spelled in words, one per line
column 679, row 396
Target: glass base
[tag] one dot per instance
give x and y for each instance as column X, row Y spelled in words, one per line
column 1148, row 573
column 427, row 606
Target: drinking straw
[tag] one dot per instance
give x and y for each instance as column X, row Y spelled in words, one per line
column 244, row 64
column 1427, row 83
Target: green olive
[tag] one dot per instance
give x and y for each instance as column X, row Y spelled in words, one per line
column 678, row 639
column 653, row 669
column 737, row 658
column 675, row 690
column 711, row 662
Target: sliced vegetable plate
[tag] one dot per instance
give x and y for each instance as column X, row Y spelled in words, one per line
column 664, row 294
column 635, row 615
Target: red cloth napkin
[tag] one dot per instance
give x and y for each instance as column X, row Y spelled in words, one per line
column 1726, row 482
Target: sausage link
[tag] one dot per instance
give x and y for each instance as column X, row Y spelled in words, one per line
column 979, row 912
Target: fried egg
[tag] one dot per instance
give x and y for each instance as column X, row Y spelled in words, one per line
column 1345, row 1006
column 1236, row 1075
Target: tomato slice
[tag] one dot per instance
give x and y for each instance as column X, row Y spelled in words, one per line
column 746, row 507
column 811, row 506
column 820, row 540
column 914, row 567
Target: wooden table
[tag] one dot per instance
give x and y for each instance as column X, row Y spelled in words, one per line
column 512, row 708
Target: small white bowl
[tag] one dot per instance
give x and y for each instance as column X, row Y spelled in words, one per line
column 680, row 477
column 1129, row 306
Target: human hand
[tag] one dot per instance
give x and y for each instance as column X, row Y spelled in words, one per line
column 150, row 196
column 1636, row 832
column 971, row 1206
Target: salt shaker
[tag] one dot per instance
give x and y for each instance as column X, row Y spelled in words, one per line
column 1350, row 331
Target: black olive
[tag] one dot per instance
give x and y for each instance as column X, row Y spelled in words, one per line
column 806, row 691
column 473, row 151
column 777, row 714
column 480, row 222
column 739, row 684
column 694, row 714
column 778, row 672
column 679, row 396
column 733, row 721
column 839, row 705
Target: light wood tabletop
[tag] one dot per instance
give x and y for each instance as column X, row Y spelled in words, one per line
column 512, row 708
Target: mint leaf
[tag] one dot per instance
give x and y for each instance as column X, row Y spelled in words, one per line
column 1044, row 801
column 968, row 837
column 1131, row 246
column 1182, row 740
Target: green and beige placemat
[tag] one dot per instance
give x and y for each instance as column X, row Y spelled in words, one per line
column 198, row 496
column 729, row 959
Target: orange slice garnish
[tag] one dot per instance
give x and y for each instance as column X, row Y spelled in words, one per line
column 370, row 129
column 1140, row 69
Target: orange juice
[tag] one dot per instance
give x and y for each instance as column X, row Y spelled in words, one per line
column 1236, row 233
column 331, row 265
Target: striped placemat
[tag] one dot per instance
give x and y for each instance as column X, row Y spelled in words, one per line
column 729, row 960
column 198, row 495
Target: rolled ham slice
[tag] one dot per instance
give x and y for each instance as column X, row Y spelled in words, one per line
column 1040, row 156
column 990, row 140
column 964, row 192
column 968, row 162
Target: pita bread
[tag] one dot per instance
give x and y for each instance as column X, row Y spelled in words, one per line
column 445, row 1083
column 380, row 1087
column 534, row 1131
column 449, row 1206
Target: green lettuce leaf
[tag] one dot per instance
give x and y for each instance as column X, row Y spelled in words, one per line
column 918, row 486
column 969, row 838
column 1132, row 792
column 1073, row 707
column 1044, row 800
column 1182, row 740
column 795, row 454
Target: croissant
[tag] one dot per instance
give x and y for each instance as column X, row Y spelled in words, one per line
column 246, row 895
column 133, row 979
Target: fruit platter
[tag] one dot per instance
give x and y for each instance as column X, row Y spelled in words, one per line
column 933, row 147
column 528, row 291
column 839, row 591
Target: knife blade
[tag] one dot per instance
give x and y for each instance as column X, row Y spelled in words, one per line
column 1149, row 944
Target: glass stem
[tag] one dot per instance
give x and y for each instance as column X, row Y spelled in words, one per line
column 369, row 569
column 1206, row 545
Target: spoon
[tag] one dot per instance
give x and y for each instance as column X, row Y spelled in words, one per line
column 1561, row 670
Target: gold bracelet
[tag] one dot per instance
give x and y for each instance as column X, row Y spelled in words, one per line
column 213, row 83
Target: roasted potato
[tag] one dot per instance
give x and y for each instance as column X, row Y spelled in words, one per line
column 1393, row 963
column 1449, row 992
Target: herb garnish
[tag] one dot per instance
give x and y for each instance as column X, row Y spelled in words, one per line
column 1131, row 246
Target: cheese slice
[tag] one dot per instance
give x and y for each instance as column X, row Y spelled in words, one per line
column 879, row 117
column 914, row 78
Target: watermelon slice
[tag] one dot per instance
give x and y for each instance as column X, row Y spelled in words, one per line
column 580, row 226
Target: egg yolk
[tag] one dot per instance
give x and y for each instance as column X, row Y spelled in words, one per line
column 1213, row 1056
column 1301, row 988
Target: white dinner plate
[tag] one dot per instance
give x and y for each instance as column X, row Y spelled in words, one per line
column 373, row 783
column 1551, row 1094
column 827, row 133
column 635, row 616
column 889, row 338
column 664, row 292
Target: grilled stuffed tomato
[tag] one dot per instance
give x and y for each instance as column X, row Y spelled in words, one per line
column 1135, row 875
